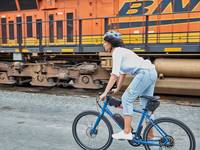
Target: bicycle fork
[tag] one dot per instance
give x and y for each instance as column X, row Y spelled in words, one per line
column 93, row 129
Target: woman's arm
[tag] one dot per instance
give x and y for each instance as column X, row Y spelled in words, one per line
column 111, row 82
column 119, row 83
column 116, row 63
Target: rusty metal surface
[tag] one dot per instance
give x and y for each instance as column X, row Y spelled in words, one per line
column 176, row 76
column 178, row 67
column 175, row 86
column 84, row 75
column 178, row 86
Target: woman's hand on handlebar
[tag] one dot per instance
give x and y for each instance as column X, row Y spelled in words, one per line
column 102, row 97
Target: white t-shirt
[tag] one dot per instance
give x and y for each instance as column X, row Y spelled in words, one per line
column 125, row 61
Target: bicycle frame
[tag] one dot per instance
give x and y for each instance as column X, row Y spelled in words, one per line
column 144, row 115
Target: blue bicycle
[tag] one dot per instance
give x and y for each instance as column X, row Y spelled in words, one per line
column 93, row 131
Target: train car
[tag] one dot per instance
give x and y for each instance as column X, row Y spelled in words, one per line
column 59, row 42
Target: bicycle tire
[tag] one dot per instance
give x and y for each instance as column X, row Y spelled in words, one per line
column 174, row 121
column 107, row 123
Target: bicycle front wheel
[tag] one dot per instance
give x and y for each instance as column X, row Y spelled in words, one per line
column 179, row 136
column 100, row 139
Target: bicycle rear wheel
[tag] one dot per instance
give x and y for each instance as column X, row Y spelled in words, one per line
column 101, row 139
column 178, row 135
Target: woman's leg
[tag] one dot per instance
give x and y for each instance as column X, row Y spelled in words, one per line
column 135, row 89
column 127, row 123
column 150, row 92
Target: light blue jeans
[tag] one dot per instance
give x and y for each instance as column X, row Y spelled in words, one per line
column 142, row 84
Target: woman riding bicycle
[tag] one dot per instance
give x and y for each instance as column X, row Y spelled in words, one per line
column 125, row 61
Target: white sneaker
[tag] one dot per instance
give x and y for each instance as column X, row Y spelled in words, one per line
column 122, row 136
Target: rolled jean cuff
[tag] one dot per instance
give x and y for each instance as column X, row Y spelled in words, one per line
column 127, row 112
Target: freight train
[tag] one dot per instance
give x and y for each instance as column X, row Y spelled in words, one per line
column 59, row 42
